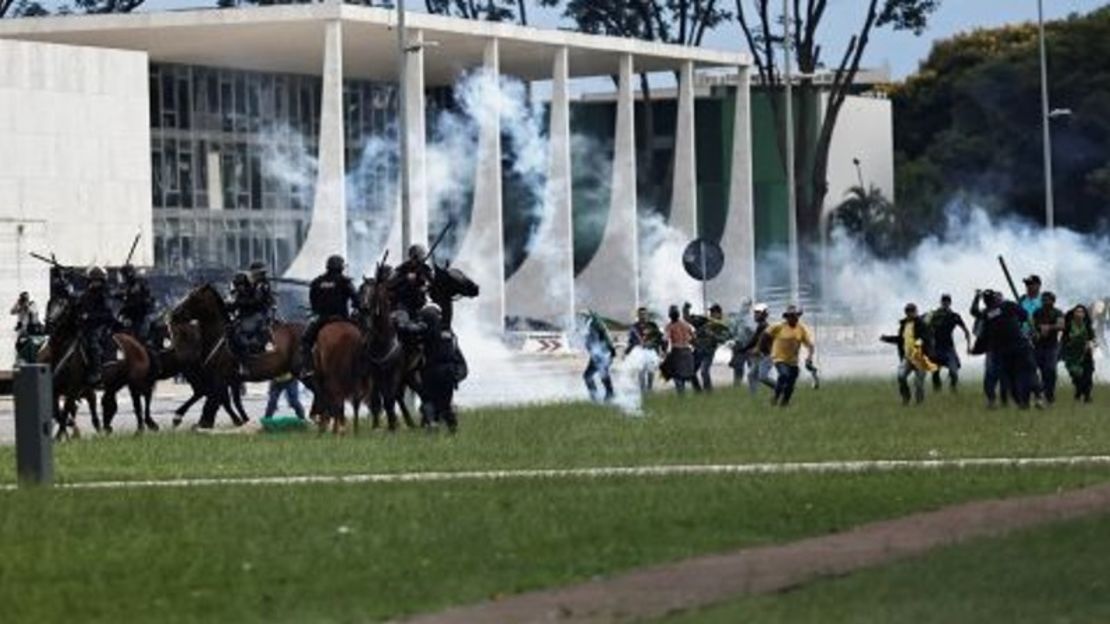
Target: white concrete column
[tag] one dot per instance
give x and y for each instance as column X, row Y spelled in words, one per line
column 415, row 119
column 736, row 282
column 543, row 286
column 684, row 186
column 327, row 232
column 416, row 124
column 482, row 254
column 609, row 284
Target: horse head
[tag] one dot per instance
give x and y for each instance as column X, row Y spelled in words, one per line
column 451, row 283
column 203, row 304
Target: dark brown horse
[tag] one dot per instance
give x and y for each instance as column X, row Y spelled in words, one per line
column 385, row 357
column 218, row 370
column 70, row 366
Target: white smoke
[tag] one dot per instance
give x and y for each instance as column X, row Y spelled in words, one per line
column 962, row 259
column 663, row 279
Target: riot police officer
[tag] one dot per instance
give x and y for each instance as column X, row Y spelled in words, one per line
column 331, row 296
column 136, row 303
column 245, row 315
column 442, row 372
column 96, row 321
column 411, row 280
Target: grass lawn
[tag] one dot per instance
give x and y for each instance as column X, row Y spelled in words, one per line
column 1059, row 573
column 847, row 420
column 345, row 553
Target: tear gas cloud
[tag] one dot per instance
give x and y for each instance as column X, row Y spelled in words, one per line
column 960, row 260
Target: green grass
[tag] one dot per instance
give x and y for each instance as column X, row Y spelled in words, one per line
column 850, row 420
column 278, row 554
column 1059, row 573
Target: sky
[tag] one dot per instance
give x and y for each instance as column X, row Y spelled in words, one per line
column 902, row 51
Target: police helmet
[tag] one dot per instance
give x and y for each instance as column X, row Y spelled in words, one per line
column 417, row 252
column 97, row 274
column 430, row 313
column 127, row 271
column 335, row 264
column 241, row 279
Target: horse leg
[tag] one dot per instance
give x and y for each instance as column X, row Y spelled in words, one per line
column 208, row 412
column 403, row 404
column 179, row 413
column 60, row 409
column 237, row 403
column 137, row 406
column 90, row 398
column 147, row 397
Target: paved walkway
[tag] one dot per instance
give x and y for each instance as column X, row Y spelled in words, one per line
column 703, row 581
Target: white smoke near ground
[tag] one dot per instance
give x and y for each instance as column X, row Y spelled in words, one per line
column 663, row 280
column 962, row 259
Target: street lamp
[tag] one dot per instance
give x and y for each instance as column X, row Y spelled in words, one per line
column 1047, row 113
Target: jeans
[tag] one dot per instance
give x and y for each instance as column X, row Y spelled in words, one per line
column 598, row 367
column 292, row 391
column 947, row 357
column 1047, row 358
column 995, row 385
column 759, row 372
column 784, row 386
column 905, row 370
column 703, row 364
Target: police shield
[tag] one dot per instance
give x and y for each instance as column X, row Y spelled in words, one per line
column 703, row 259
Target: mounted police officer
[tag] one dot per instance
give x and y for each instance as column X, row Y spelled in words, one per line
column 411, row 280
column 136, row 303
column 247, row 313
column 263, row 292
column 331, row 296
column 61, row 295
column 96, row 321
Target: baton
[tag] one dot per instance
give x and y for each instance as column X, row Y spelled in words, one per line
column 134, row 244
column 439, row 239
column 1009, row 279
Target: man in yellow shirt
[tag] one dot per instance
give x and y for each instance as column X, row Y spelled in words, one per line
column 787, row 339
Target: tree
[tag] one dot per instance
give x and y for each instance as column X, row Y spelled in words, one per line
column 30, row 8
column 760, row 22
column 972, row 116
column 867, row 216
column 485, row 10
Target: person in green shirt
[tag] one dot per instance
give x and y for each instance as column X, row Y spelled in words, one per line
column 713, row 332
column 1077, row 346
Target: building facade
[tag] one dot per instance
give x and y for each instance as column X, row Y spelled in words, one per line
column 271, row 136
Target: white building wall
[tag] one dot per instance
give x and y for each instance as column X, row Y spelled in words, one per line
column 864, row 131
column 75, row 174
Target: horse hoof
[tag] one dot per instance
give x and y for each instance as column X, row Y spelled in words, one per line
column 153, row 426
column 177, row 422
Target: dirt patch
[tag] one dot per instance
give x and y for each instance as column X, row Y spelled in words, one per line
column 656, row 591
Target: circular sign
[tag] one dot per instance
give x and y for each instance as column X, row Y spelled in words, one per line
column 703, row 259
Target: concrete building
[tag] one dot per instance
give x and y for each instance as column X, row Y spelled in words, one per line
column 264, row 124
column 74, row 164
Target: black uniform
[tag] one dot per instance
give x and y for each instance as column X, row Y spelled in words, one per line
column 96, row 325
column 1004, row 340
column 409, row 285
column 136, row 305
column 250, row 311
column 61, row 295
column 331, row 296
column 441, row 372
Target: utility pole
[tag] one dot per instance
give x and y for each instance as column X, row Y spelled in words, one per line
column 791, row 183
column 402, row 127
column 1046, row 121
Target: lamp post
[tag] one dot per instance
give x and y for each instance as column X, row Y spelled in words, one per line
column 1049, row 200
column 402, row 127
column 791, row 183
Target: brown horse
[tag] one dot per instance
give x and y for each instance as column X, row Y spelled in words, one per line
column 338, row 376
column 70, row 366
column 386, row 360
column 217, row 372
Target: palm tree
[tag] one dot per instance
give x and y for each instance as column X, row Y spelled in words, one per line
column 867, row 216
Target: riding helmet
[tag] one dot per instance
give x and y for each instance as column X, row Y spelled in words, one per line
column 97, row 274
column 417, row 252
column 335, row 264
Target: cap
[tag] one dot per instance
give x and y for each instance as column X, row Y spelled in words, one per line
column 792, row 310
column 1033, row 279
